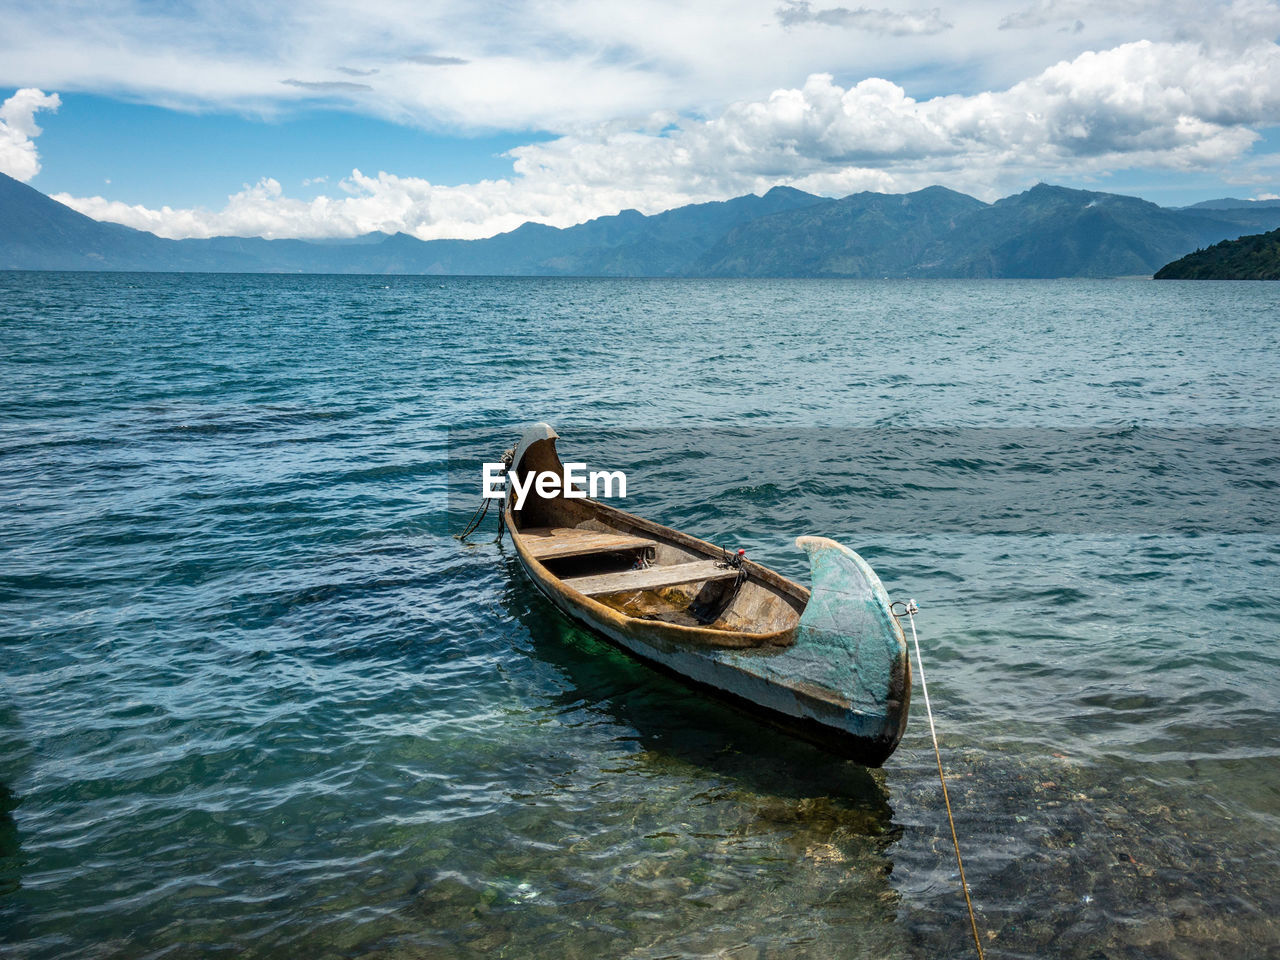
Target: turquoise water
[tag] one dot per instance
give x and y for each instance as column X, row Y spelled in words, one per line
column 257, row 701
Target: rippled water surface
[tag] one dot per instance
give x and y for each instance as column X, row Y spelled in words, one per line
column 257, row 702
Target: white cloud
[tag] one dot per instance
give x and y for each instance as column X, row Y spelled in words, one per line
column 1177, row 106
column 390, row 204
column 18, row 130
column 562, row 66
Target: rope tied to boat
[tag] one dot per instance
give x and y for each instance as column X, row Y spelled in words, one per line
column 731, row 561
column 734, row 561
column 477, row 518
column 909, row 610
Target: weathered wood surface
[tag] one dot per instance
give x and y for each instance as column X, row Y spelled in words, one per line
column 651, row 578
column 548, row 543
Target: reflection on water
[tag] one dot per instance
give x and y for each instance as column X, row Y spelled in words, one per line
column 704, row 830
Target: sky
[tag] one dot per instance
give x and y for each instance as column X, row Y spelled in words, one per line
column 441, row 118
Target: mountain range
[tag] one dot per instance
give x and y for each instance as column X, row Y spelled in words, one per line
column 1046, row 231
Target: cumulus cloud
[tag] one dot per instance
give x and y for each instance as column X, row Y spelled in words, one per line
column 1141, row 104
column 1178, row 106
column 798, row 12
column 386, row 203
column 566, row 66
column 18, row 130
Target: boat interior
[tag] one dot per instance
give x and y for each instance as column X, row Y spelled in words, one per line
column 649, row 572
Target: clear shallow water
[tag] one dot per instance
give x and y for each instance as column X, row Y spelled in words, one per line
column 257, row 702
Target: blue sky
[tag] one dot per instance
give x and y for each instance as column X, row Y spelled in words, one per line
column 443, row 118
column 91, row 144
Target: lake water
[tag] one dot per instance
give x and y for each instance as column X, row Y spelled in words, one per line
column 258, row 702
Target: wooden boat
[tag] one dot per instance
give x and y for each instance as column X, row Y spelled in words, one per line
column 831, row 665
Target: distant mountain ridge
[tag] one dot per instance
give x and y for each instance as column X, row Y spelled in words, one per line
column 1046, row 231
column 1232, row 203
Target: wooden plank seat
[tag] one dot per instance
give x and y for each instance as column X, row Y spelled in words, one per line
column 651, row 578
column 548, row 543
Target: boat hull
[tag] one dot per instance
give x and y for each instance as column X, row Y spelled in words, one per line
column 829, row 664
column 813, row 714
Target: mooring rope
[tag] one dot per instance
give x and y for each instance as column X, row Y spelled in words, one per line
column 912, row 610
column 482, row 511
column 473, row 524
